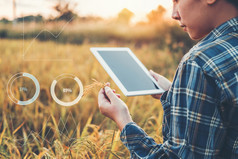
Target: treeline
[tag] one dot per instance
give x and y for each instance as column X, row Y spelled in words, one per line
column 68, row 27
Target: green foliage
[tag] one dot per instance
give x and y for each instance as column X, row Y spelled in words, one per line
column 30, row 18
column 4, row 21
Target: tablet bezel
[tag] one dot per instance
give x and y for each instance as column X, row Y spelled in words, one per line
column 95, row 52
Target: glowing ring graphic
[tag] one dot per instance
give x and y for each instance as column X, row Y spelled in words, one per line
column 52, row 90
column 9, row 90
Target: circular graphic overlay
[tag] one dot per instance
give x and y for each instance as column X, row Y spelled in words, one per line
column 23, row 88
column 66, row 90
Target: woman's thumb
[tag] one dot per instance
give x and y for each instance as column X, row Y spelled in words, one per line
column 110, row 93
column 155, row 75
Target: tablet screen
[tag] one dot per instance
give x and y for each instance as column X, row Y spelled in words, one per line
column 127, row 70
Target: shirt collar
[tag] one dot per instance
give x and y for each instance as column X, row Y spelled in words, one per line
column 225, row 28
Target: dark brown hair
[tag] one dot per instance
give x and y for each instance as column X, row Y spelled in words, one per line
column 234, row 2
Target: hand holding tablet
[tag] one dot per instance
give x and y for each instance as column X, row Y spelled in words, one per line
column 127, row 71
column 163, row 82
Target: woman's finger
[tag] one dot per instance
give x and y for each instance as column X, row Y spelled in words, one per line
column 118, row 95
column 108, row 84
column 109, row 94
column 156, row 96
column 155, row 75
column 102, row 99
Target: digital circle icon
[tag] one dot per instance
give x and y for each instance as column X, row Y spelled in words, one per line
column 23, row 88
column 66, row 90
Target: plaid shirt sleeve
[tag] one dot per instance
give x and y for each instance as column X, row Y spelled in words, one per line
column 201, row 107
column 190, row 114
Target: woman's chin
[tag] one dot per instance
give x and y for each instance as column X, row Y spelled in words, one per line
column 195, row 36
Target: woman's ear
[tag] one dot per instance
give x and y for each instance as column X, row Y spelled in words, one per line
column 210, row 2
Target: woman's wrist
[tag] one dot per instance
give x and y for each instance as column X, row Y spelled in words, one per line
column 123, row 121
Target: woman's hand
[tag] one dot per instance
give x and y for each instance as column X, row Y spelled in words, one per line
column 113, row 107
column 163, row 82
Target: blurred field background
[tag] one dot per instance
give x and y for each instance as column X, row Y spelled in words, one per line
column 45, row 129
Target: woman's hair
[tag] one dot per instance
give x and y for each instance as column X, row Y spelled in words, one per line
column 234, row 2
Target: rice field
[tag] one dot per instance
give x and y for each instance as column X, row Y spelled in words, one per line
column 45, row 129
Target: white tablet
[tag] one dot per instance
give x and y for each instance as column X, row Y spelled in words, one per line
column 127, row 71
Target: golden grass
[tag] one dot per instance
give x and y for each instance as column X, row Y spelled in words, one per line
column 80, row 131
column 95, row 84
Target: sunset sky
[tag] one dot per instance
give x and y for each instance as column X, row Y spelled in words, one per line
column 103, row 8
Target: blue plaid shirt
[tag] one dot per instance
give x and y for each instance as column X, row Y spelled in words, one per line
column 201, row 107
